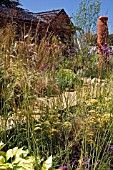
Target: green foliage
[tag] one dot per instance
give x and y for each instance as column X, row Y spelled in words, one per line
column 66, row 78
column 73, row 127
column 87, row 14
column 111, row 39
column 9, row 3
column 47, row 164
column 17, row 158
column 86, row 19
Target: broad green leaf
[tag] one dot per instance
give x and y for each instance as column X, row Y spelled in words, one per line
column 21, row 168
column 11, row 166
column 2, row 153
column 27, row 164
column 2, row 159
column 9, row 154
column 21, row 152
column 47, row 164
column 15, row 150
column 39, row 160
column 4, row 166
column 32, row 158
column 1, row 145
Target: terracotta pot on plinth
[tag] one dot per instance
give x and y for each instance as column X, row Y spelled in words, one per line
column 102, row 39
column 102, row 31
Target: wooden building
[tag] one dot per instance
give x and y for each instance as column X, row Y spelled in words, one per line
column 55, row 21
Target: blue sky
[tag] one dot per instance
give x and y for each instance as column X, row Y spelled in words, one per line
column 70, row 7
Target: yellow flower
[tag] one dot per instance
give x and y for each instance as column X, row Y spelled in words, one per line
column 106, row 116
column 91, row 102
column 47, row 122
column 67, row 123
column 91, row 141
column 93, row 112
column 80, row 161
column 37, row 128
column 92, row 120
column 54, row 130
column 107, row 99
column 90, row 133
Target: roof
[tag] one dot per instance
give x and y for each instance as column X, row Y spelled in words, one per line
column 48, row 15
column 29, row 16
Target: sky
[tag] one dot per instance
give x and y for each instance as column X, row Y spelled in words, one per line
column 70, row 6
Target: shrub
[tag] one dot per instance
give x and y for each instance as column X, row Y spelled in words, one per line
column 66, row 79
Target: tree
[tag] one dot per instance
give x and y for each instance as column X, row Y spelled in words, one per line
column 86, row 19
column 9, row 3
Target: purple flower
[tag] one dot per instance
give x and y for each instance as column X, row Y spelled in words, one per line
column 62, row 47
column 112, row 165
column 68, row 51
column 111, row 148
column 60, row 55
column 64, row 167
column 87, row 159
column 74, row 164
column 104, row 153
column 23, row 45
column 31, row 49
column 104, row 48
column 84, row 163
column 106, row 146
column 70, row 57
column 43, row 66
column 98, row 161
column 76, row 155
column 59, row 47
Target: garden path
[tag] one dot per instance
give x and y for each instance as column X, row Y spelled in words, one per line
column 93, row 87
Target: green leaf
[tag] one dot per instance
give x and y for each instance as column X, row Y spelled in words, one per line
column 15, row 150
column 9, row 154
column 39, row 160
column 2, row 153
column 20, row 152
column 4, row 166
column 1, row 145
column 47, row 164
column 2, row 159
column 27, row 164
column 17, row 160
column 31, row 158
column 24, row 164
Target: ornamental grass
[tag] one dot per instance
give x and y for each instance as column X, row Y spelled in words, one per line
column 51, row 109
